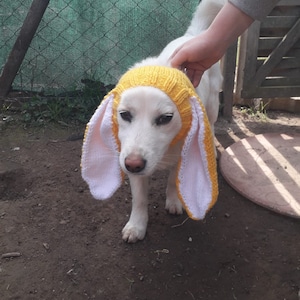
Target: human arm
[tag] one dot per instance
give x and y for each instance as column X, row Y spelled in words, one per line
column 200, row 53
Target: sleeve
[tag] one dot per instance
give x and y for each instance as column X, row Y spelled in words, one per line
column 256, row 9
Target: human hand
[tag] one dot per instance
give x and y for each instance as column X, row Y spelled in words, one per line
column 201, row 52
column 196, row 56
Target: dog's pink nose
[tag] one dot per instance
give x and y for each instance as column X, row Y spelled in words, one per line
column 135, row 163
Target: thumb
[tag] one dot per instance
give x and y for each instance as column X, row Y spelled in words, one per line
column 178, row 58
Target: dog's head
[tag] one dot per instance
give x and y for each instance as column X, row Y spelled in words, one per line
column 151, row 108
column 148, row 121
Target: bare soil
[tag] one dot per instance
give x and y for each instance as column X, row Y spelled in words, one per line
column 60, row 243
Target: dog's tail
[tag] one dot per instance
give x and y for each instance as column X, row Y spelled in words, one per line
column 204, row 16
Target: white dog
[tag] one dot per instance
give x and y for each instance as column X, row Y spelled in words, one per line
column 149, row 123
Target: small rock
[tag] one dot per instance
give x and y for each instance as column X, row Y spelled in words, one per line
column 46, row 246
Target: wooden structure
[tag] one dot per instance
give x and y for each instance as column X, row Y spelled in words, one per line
column 267, row 60
column 21, row 45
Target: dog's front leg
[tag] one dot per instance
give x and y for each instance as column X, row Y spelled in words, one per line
column 136, row 227
column 173, row 204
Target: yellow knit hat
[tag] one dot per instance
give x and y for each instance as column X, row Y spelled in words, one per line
column 197, row 183
column 169, row 80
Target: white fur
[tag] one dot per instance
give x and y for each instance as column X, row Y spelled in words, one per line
column 143, row 140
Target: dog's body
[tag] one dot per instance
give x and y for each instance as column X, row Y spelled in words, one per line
column 148, row 121
column 154, row 119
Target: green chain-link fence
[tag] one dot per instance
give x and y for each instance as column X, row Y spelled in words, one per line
column 94, row 40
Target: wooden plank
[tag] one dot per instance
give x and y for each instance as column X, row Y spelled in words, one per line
column 251, row 52
column 276, row 55
column 271, row 92
column 240, row 69
column 282, row 82
column 286, row 11
column 279, row 22
column 229, row 65
column 272, row 32
column 267, row 43
column 290, row 73
column 288, row 63
column 21, row 45
column 264, row 54
column 292, row 53
column 284, row 65
column 290, row 60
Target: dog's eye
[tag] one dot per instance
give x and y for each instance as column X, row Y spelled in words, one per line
column 163, row 119
column 126, row 115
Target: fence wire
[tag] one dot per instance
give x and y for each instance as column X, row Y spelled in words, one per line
column 79, row 41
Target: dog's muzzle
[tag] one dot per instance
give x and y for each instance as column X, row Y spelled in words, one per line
column 135, row 163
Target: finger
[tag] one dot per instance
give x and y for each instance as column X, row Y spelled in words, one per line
column 194, row 76
column 197, row 77
column 174, row 53
column 178, row 58
column 190, row 74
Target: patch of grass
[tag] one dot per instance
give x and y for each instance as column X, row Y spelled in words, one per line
column 256, row 110
column 68, row 108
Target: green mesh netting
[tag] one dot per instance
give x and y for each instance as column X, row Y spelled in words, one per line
column 95, row 40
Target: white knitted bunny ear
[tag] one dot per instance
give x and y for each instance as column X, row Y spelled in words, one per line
column 100, row 159
column 197, row 182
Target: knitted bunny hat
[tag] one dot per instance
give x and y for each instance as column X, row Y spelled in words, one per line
column 197, row 184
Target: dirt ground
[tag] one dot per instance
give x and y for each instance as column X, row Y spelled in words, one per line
column 63, row 244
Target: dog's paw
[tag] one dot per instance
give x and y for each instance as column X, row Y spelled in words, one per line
column 174, row 206
column 132, row 233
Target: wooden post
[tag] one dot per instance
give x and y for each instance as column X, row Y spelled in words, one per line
column 229, row 64
column 17, row 54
